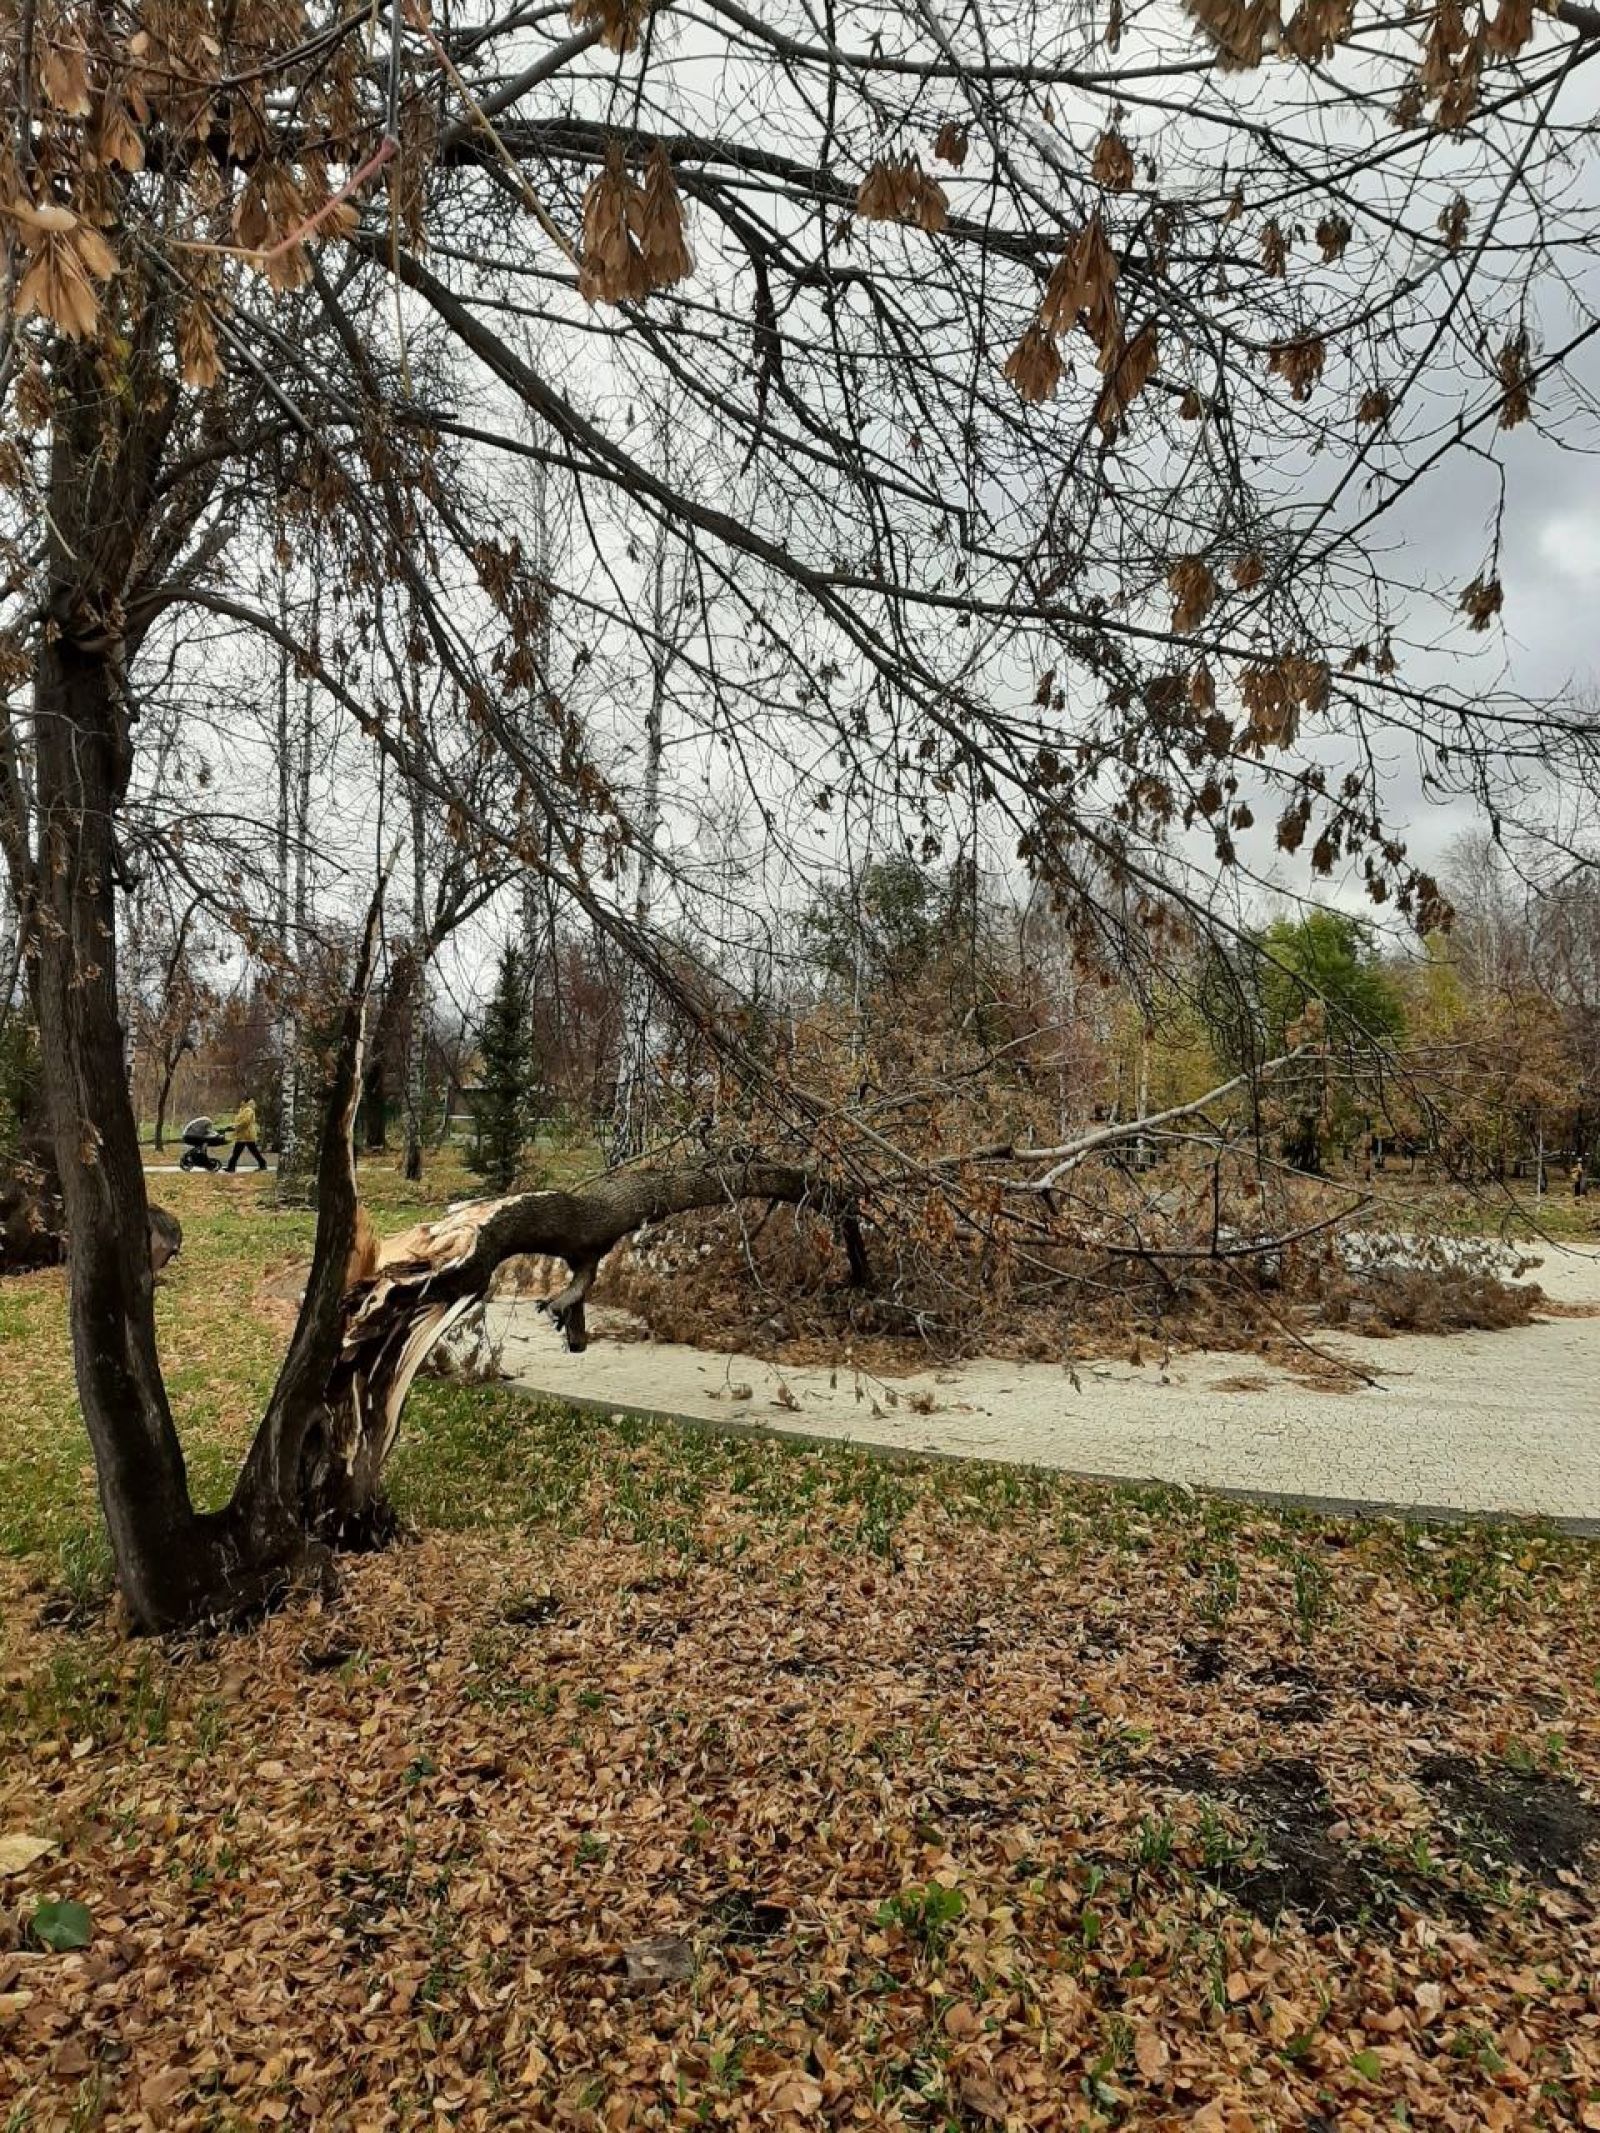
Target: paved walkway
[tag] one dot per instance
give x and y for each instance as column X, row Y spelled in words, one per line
column 245, row 1170
column 1505, row 1422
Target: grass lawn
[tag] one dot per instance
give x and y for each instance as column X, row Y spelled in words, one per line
column 665, row 1780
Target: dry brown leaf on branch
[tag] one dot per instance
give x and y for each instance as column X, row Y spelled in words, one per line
column 1274, row 250
column 661, row 239
column 1240, row 33
column 611, row 267
column 64, row 71
column 1516, row 379
column 1451, row 66
column 619, row 22
column 286, row 268
column 1373, row 406
column 1318, row 28
column 65, row 256
column 1248, row 570
column 117, row 141
column 1193, row 589
column 1113, row 165
column 1454, row 221
column 1126, row 377
column 198, row 362
column 1299, row 363
column 1292, row 824
column 1509, row 29
column 1333, row 237
column 1083, row 281
column 270, row 205
column 31, row 399
column 1275, row 693
column 1482, row 601
column 1033, row 366
column 950, row 143
column 898, row 189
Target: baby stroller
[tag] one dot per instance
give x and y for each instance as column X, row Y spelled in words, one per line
column 199, row 1137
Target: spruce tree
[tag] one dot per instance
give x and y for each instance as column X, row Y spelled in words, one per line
column 505, row 1096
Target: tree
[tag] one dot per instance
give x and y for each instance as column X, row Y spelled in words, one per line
column 881, row 933
column 1317, row 984
column 1325, row 967
column 1037, row 473
column 504, row 1112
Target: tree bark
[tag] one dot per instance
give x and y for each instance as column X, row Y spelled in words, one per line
column 266, row 1502
column 416, row 1063
column 83, row 761
column 174, row 1061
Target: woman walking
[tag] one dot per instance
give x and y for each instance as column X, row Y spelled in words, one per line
column 245, row 1130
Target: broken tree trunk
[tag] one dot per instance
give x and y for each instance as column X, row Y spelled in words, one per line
column 428, row 1278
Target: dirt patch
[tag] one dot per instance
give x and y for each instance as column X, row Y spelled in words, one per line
column 1396, row 1696
column 1294, row 1696
column 1543, row 1825
column 746, row 1919
column 1299, row 1855
column 1291, row 1862
column 1289, row 1694
column 1205, row 1662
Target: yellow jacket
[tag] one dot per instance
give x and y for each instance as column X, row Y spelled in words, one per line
column 244, row 1124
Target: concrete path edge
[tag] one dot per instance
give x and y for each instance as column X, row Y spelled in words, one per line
column 906, row 1455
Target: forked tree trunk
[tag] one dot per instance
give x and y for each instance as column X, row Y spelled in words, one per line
column 104, row 456
column 317, row 1460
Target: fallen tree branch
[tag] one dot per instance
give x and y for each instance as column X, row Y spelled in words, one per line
column 429, row 1277
column 1074, row 1153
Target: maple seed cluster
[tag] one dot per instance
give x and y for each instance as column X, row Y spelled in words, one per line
column 1082, row 290
column 1482, row 601
column 900, row 190
column 633, row 240
column 65, row 257
column 950, row 143
column 1276, row 692
column 619, row 22
column 1193, row 590
column 1242, row 33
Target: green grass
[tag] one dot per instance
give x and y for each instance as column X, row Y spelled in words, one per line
column 221, row 1343
column 473, row 1457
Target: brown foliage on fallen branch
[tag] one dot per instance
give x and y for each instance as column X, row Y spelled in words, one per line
column 1140, row 1260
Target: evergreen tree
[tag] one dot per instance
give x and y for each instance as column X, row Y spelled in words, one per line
column 505, row 1108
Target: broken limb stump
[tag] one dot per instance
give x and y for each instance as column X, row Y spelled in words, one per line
column 427, row 1278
